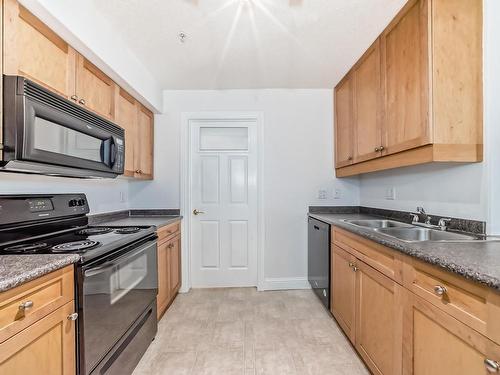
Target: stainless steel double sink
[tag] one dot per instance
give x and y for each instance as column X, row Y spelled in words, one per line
column 411, row 233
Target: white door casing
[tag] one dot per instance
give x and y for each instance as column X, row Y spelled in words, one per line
column 224, row 188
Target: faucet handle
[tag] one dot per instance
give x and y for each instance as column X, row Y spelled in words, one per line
column 415, row 218
column 444, row 223
column 421, row 210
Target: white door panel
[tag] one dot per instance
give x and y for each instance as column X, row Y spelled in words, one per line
column 224, row 189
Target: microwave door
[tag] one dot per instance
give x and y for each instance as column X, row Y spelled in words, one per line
column 54, row 137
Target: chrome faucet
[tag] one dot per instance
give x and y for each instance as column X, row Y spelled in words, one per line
column 444, row 223
column 421, row 213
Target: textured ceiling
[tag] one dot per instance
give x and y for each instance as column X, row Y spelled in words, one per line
column 239, row 44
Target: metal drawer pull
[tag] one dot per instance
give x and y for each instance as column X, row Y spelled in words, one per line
column 355, row 269
column 492, row 366
column 73, row 316
column 26, row 305
column 82, row 101
column 74, row 97
column 440, row 290
column 351, row 264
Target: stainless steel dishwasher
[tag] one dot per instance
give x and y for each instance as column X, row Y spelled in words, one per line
column 319, row 259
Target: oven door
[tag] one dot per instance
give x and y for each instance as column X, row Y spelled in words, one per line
column 56, row 137
column 113, row 293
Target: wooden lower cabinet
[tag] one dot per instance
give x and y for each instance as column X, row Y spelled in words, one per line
column 45, row 347
column 399, row 325
column 437, row 343
column 343, row 290
column 169, row 269
column 379, row 320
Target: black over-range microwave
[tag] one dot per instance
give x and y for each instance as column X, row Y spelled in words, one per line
column 45, row 133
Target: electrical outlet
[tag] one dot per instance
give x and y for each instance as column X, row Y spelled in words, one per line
column 337, row 194
column 390, row 193
column 322, row 194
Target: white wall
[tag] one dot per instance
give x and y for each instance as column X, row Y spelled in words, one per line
column 298, row 161
column 467, row 190
column 102, row 195
column 81, row 24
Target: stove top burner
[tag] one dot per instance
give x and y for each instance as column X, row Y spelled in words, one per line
column 75, row 246
column 23, row 248
column 96, row 230
column 127, row 230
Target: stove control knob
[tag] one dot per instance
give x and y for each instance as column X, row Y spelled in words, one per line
column 80, row 202
column 72, row 203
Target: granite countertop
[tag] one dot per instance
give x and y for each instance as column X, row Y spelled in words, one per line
column 135, row 220
column 19, row 269
column 475, row 260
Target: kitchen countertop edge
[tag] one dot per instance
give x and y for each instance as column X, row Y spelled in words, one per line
column 446, row 260
column 16, row 270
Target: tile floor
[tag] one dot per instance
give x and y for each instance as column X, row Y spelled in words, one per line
column 245, row 332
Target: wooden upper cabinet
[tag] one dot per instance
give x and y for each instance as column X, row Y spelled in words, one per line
column 367, row 105
column 32, row 50
column 429, row 76
column 144, row 146
column 437, row 343
column 343, row 122
column 126, row 117
column 406, row 80
column 94, row 89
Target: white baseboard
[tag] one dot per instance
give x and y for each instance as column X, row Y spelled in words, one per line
column 283, row 283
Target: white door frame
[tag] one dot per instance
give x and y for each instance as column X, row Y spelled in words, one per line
column 185, row 187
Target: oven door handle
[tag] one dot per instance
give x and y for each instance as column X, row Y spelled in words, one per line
column 106, row 266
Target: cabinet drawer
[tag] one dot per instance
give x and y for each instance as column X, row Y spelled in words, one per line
column 168, row 231
column 383, row 259
column 44, row 295
column 470, row 303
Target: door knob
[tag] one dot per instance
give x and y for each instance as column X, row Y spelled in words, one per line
column 196, row 212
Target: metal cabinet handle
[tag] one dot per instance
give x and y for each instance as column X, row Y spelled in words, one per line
column 82, row 101
column 381, row 148
column 351, row 264
column 349, row 158
column 491, row 365
column 170, row 245
column 377, row 149
column 26, row 305
column 74, row 97
column 440, row 290
column 196, row 212
column 73, row 316
column 355, row 269
column 138, row 171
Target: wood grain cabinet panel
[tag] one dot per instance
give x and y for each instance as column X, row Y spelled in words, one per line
column 32, row 50
column 343, row 290
column 437, row 343
column 169, row 266
column 344, row 117
column 367, row 106
column 406, row 80
column 144, row 147
column 379, row 320
column 45, row 347
column 126, row 117
column 95, row 90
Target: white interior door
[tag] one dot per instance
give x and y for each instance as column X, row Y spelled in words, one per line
column 224, row 207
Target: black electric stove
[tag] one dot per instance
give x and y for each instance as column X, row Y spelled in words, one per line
column 116, row 278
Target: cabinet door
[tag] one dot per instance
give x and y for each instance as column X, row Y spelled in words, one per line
column 46, row 347
column 144, row 148
column 95, row 90
column 32, row 50
column 344, row 122
column 367, row 105
column 163, row 278
column 175, row 265
column 437, row 343
column 406, row 80
column 343, row 290
column 126, row 117
column 379, row 320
